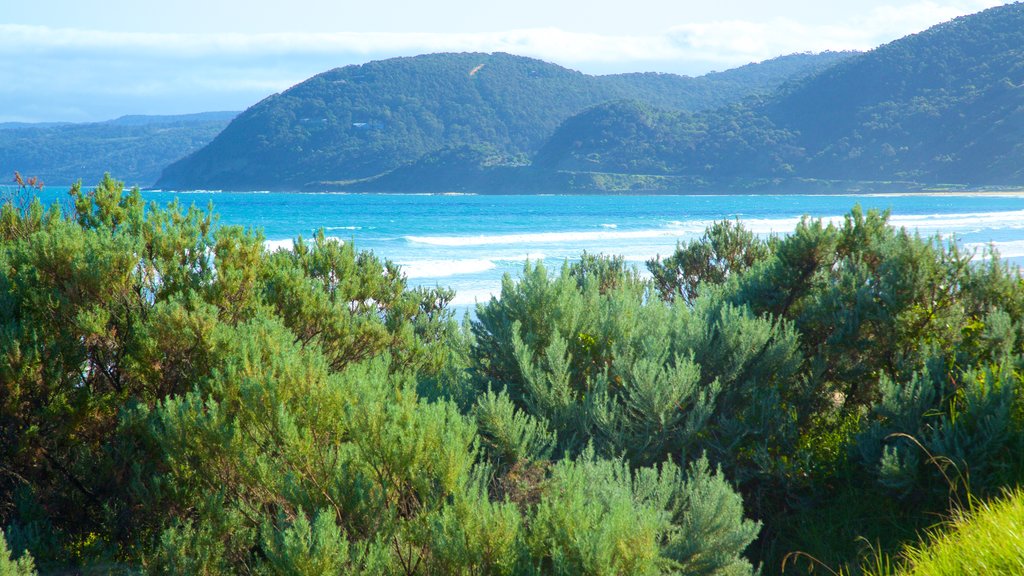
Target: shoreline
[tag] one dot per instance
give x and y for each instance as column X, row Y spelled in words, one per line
column 1009, row 193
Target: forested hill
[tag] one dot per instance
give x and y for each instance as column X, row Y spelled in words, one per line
column 135, row 147
column 361, row 121
column 946, row 104
column 942, row 106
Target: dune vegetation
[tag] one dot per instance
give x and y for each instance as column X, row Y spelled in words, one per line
column 174, row 398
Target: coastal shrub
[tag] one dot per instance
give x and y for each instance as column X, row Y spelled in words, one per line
column 10, row 566
column 903, row 333
column 175, row 399
column 511, row 436
column 726, row 249
column 601, row 363
column 911, row 346
column 275, row 434
column 870, row 300
column 107, row 303
column 956, row 435
column 354, row 306
column 803, row 370
column 603, row 518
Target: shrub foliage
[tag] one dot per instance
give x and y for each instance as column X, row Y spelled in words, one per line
column 176, row 399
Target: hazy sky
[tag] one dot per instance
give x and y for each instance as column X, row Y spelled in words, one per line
column 89, row 60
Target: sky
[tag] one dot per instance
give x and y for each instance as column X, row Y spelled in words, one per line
column 92, row 60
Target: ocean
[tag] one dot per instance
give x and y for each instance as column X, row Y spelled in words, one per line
column 468, row 242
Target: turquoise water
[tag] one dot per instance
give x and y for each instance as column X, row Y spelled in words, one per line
column 468, row 242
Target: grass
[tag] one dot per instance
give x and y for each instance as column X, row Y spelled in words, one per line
column 834, row 536
column 988, row 539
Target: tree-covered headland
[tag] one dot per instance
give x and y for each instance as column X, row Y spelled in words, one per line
column 176, row 399
column 136, row 148
column 941, row 109
column 352, row 125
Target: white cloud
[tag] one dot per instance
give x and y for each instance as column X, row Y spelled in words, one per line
column 735, row 41
column 730, row 41
column 551, row 43
column 150, row 72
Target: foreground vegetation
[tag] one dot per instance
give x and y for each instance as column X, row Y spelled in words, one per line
column 175, row 399
column 988, row 539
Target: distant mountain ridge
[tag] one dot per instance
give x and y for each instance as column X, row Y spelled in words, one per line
column 16, row 125
column 939, row 109
column 147, row 119
column 134, row 148
column 945, row 106
column 361, row 122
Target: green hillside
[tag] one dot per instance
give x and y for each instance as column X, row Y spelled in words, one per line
column 629, row 137
column 946, row 104
column 137, row 147
column 361, row 121
column 943, row 106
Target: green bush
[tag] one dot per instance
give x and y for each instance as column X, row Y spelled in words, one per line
column 175, row 399
column 9, row 566
column 592, row 355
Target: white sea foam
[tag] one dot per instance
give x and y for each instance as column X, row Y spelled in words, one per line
column 643, row 257
column 761, row 226
column 992, row 194
column 1008, row 249
column 765, row 226
column 289, row 243
column 684, row 229
column 958, row 223
column 466, row 298
column 443, row 268
column 965, row 222
column 275, row 245
column 343, row 227
column 532, row 257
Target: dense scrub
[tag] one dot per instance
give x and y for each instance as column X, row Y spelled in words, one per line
column 175, row 399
